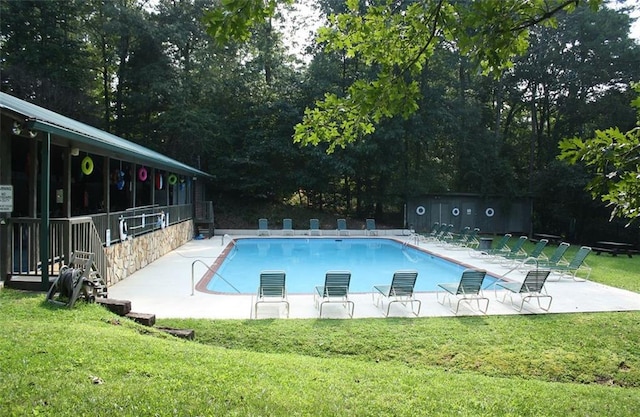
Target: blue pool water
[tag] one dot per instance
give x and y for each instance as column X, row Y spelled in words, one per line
column 372, row 261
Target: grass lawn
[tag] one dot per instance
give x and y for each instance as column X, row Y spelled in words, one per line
column 87, row 361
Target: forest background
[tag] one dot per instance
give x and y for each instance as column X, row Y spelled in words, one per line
column 149, row 72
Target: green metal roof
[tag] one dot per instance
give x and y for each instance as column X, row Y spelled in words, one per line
column 72, row 133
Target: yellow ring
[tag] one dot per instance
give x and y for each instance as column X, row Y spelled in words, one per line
column 87, row 165
column 173, row 179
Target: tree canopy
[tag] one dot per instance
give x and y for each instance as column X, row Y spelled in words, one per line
column 614, row 156
column 396, row 39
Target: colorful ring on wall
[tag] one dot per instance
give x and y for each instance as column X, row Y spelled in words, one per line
column 173, row 179
column 159, row 181
column 455, row 211
column 123, row 229
column 142, row 174
column 420, row 210
column 120, row 183
column 87, row 165
column 489, row 212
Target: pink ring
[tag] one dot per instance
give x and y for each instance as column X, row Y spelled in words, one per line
column 142, row 174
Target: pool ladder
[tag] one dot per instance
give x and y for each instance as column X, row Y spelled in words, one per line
column 215, row 273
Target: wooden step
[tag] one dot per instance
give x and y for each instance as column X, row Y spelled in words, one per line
column 142, row 318
column 188, row 334
column 119, row 307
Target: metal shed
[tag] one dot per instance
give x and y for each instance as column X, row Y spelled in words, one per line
column 492, row 214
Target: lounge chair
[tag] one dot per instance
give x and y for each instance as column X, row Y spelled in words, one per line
column 512, row 252
column 535, row 256
column 517, row 249
column 538, row 250
column 577, row 264
column 272, row 289
column 433, row 233
column 456, row 238
column 400, row 291
column 556, row 258
column 342, row 227
column 444, row 232
column 468, row 238
column 371, row 227
column 334, row 290
column 531, row 287
column 263, row 227
column 434, row 230
column 468, row 289
column 287, row 227
column 314, row 227
column 472, row 239
column 502, row 246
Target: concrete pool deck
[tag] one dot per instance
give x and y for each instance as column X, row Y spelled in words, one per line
column 164, row 288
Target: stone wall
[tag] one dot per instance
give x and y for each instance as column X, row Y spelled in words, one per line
column 129, row 256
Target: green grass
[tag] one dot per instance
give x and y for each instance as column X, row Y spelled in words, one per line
column 86, row 361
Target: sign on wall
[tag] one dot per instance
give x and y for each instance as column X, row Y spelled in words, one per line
column 6, row 198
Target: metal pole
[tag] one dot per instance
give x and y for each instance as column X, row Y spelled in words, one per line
column 44, row 210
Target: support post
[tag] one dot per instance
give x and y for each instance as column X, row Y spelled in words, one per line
column 44, row 209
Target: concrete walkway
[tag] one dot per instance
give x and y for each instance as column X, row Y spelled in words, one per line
column 165, row 288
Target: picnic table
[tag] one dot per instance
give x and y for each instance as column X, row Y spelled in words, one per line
column 550, row 238
column 614, row 248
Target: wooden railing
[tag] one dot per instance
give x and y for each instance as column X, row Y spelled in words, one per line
column 86, row 234
column 65, row 236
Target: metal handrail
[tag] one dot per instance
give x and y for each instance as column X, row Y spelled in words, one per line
column 193, row 284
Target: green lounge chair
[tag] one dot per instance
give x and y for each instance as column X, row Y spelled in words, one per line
column 455, row 239
column 272, row 289
column 446, row 232
column 334, row 290
column 512, row 252
column 516, row 250
column 314, row 227
column 472, row 239
column 468, row 289
column 531, row 287
column 436, row 229
column 576, row 265
column 400, row 291
column 371, row 227
column 467, row 239
column 502, row 246
column 536, row 255
column 556, row 258
column 538, row 250
column 263, row 227
column 287, row 227
column 342, row 227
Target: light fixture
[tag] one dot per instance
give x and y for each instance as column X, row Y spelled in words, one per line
column 17, row 128
column 75, row 151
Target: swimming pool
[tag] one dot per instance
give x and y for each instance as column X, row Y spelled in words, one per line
column 371, row 261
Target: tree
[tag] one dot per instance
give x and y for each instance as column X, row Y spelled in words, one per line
column 615, row 158
column 396, row 39
column 44, row 57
